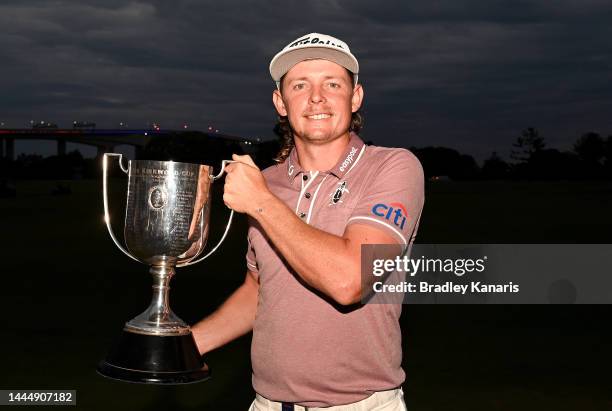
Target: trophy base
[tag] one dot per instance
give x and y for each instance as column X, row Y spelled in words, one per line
column 154, row 359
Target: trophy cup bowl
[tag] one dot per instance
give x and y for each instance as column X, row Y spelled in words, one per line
column 166, row 226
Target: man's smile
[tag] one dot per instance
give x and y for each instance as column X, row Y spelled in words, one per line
column 319, row 116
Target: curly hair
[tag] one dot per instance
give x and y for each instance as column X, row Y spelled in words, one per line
column 285, row 132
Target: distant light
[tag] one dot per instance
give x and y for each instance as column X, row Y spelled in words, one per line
column 216, row 131
column 146, row 134
column 185, row 126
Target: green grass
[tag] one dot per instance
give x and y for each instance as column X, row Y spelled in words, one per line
column 517, row 212
column 67, row 292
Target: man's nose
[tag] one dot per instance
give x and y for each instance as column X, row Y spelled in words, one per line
column 317, row 95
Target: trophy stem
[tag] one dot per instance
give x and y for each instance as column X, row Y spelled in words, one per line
column 161, row 290
column 158, row 319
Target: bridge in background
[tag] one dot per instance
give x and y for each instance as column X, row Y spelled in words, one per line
column 104, row 139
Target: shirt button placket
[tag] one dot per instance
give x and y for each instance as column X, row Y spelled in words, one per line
column 307, row 195
column 305, row 203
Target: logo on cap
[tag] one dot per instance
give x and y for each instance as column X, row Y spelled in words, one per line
column 314, row 40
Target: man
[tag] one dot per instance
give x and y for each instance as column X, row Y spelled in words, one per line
column 314, row 345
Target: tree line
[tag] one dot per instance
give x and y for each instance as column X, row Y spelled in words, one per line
column 530, row 159
column 590, row 158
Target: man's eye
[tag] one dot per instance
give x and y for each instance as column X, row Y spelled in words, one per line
column 298, row 86
column 334, row 85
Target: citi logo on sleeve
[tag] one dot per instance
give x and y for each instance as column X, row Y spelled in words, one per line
column 394, row 212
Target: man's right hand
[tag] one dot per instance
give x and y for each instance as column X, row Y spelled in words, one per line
column 234, row 318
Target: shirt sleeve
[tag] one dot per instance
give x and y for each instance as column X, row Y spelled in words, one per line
column 394, row 198
column 251, row 260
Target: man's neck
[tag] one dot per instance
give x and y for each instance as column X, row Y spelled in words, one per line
column 321, row 157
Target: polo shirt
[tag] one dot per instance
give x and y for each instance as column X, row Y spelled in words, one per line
column 306, row 349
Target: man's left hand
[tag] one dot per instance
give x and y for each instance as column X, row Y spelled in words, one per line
column 245, row 187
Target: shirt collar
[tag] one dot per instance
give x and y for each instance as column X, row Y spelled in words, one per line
column 345, row 163
column 293, row 165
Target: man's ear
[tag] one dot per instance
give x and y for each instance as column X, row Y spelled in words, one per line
column 357, row 98
column 277, row 99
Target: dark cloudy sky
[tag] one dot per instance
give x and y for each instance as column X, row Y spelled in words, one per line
column 464, row 74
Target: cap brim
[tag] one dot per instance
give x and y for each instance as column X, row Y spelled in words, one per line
column 282, row 63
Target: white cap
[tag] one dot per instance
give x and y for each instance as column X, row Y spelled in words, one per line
column 313, row 46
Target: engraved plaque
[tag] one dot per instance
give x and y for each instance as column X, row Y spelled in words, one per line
column 167, row 206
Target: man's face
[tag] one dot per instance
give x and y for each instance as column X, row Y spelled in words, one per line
column 318, row 98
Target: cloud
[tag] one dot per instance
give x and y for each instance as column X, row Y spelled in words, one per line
column 466, row 74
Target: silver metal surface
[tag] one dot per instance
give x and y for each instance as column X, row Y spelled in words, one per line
column 167, row 212
column 224, row 163
column 166, row 225
column 107, row 218
column 158, row 318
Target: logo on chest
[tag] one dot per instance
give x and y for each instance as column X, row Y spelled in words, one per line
column 336, row 196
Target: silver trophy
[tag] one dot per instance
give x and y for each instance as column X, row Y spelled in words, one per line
column 166, row 226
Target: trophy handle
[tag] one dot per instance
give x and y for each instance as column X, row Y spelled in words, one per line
column 105, row 196
column 227, row 227
column 224, row 163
